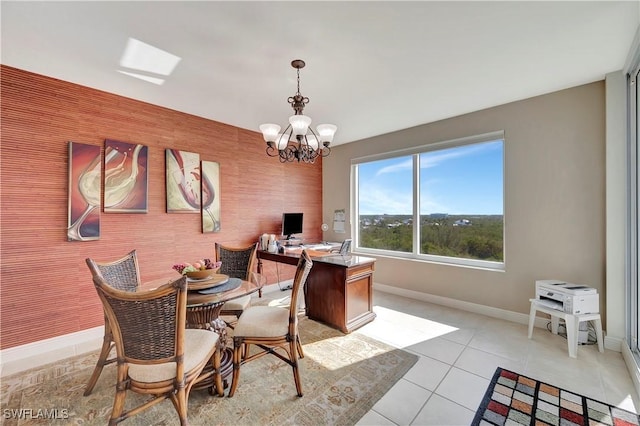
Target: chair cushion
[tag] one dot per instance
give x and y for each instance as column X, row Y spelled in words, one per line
column 263, row 321
column 198, row 344
column 239, row 304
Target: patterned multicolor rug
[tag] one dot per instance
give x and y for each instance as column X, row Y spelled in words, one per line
column 513, row 399
column 342, row 378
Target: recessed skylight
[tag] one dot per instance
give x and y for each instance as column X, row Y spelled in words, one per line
column 142, row 57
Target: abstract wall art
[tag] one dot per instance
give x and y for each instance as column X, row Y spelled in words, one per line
column 210, row 196
column 125, row 177
column 183, row 181
column 85, row 176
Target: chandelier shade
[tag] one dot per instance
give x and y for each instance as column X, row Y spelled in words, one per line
column 269, row 131
column 298, row 142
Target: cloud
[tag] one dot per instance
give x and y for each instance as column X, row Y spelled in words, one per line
column 375, row 200
column 435, row 158
column 388, row 189
column 399, row 167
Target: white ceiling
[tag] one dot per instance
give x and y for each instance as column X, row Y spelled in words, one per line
column 372, row 67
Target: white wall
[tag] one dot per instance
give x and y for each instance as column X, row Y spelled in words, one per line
column 554, row 198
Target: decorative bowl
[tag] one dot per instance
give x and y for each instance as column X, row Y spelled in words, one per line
column 202, row 269
column 201, row 274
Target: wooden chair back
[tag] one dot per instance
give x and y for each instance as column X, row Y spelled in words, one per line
column 237, row 262
column 299, row 280
column 123, row 273
column 147, row 326
column 264, row 328
column 151, row 342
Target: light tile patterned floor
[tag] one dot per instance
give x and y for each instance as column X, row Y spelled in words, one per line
column 459, row 352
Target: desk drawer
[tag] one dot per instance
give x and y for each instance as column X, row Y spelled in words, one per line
column 359, row 271
column 358, row 297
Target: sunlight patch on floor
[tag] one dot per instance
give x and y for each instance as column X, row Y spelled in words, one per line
column 282, row 302
column 627, row 403
column 416, row 329
column 334, row 353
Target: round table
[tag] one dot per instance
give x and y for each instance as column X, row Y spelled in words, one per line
column 203, row 312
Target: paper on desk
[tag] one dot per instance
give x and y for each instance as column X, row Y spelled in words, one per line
column 310, row 252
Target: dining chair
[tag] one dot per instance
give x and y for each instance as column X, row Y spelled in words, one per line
column 237, row 262
column 123, row 274
column 156, row 354
column 270, row 329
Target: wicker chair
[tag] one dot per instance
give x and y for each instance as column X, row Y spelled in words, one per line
column 123, row 274
column 237, row 263
column 271, row 328
column 156, row 354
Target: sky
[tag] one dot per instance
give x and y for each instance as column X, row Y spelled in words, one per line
column 457, row 181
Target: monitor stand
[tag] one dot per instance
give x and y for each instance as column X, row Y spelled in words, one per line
column 291, row 241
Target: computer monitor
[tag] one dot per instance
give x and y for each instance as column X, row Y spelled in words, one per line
column 291, row 224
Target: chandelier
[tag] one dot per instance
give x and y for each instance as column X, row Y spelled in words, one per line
column 298, row 142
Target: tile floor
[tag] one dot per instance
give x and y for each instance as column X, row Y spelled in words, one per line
column 459, row 352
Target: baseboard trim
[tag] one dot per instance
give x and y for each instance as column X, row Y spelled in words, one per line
column 609, row 343
column 462, row 305
column 613, row 343
column 20, row 358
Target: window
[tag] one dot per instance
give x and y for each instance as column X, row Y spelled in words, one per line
column 385, row 204
column 441, row 202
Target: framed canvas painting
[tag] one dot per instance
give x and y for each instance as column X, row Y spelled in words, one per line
column 125, row 177
column 183, row 181
column 85, row 178
column 210, row 196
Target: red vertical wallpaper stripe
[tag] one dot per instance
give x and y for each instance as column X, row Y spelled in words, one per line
column 45, row 286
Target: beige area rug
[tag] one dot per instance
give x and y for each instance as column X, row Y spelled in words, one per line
column 342, row 378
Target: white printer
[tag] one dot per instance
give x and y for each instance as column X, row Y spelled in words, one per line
column 569, row 298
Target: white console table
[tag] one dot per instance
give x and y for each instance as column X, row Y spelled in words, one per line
column 572, row 324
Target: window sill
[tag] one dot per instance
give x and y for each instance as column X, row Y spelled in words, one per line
column 438, row 260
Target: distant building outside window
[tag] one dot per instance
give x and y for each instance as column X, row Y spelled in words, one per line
column 442, row 202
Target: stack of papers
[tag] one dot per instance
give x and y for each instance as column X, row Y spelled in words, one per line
column 325, row 247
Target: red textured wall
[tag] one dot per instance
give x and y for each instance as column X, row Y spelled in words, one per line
column 45, row 286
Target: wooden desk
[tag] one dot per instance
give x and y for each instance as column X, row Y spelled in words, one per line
column 339, row 288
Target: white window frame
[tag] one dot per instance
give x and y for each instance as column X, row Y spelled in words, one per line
column 415, row 152
column 632, row 215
